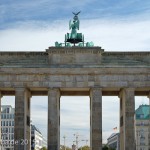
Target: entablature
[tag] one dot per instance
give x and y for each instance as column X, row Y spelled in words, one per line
column 74, row 57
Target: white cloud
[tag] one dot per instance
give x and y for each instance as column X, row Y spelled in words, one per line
column 115, row 36
column 119, row 36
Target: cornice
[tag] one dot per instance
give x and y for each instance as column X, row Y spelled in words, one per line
column 74, row 50
column 15, row 53
column 129, row 53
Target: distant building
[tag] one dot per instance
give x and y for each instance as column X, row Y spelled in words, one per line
column 37, row 139
column 7, row 127
column 142, row 127
column 7, row 131
column 114, row 141
column 142, row 130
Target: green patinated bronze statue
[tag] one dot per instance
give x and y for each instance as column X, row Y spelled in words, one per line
column 74, row 25
column 73, row 38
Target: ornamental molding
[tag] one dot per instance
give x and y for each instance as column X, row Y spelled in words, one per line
column 74, row 50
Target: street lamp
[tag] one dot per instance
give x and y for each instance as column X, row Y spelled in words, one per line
column 77, row 140
column 64, row 142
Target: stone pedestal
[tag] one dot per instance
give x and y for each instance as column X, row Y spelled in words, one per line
column 96, row 119
column 127, row 110
column 22, row 119
column 53, row 119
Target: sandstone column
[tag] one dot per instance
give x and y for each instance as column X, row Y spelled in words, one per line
column 96, row 119
column 22, row 119
column 53, row 119
column 127, row 110
column 149, row 113
column 0, row 120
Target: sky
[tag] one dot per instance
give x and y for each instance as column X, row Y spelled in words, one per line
column 114, row 25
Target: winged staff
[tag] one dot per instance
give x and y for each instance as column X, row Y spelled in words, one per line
column 76, row 13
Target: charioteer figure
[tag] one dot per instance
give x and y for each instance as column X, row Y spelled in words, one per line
column 74, row 38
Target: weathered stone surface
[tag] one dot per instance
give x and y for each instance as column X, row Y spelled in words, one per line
column 73, row 57
column 96, row 118
column 53, row 119
column 78, row 56
column 75, row 71
column 22, row 119
column 127, row 109
column 0, row 115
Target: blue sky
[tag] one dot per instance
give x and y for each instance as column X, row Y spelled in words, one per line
column 105, row 22
column 115, row 25
column 15, row 11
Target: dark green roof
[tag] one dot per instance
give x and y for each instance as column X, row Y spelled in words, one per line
column 143, row 112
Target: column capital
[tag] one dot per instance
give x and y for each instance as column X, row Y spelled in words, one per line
column 149, row 95
column 54, row 90
column 21, row 88
column 125, row 89
column 95, row 88
column 1, row 95
column 29, row 93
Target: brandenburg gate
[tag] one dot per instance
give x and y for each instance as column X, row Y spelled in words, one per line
column 84, row 71
column 75, row 71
